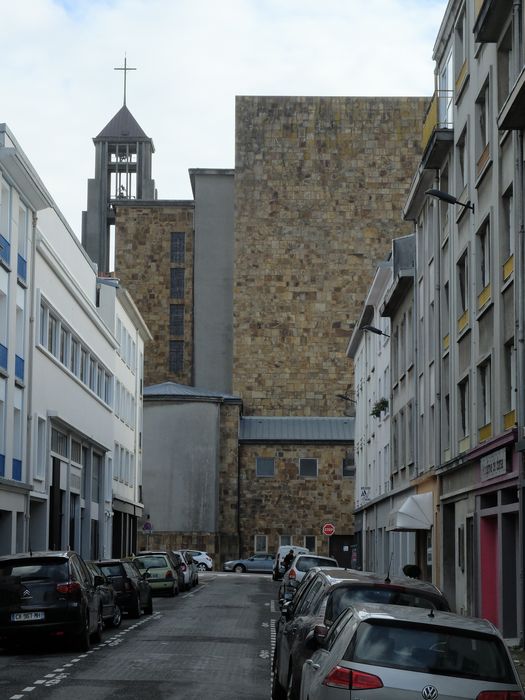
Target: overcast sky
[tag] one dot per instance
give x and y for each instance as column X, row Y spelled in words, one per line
column 58, row 88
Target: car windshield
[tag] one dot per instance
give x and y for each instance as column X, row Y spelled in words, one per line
column 431, row 649
column 344, row 596
column 306, row 563
column 152, row 562
column 35, row 569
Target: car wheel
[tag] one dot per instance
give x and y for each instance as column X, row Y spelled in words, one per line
column 82, row 639
column 149, row 606
column 202, row 567
column 97, row 634
column 117, row 617
column 239, row 569
column 134, row 611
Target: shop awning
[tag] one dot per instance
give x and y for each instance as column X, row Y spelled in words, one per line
column 415, row 513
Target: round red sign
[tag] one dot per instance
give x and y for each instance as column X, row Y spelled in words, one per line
column 328, row 529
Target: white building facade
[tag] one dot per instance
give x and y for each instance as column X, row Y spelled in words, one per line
column 60, row 420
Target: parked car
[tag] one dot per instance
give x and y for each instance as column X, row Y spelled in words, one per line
column 202, row 559
column 397, row 652
column 159, row 572
column 133, row 591
column 260, row 563
column 189, row 568
column 278, row 566
column 49, row 593
column 321, row 597
column 111, row 612
column 298, row 568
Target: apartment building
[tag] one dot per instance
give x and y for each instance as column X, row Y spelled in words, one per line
column 464, row 420
column 62, row 409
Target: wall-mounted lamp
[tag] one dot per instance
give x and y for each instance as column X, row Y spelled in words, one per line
column 373, row 329
column 449, row 198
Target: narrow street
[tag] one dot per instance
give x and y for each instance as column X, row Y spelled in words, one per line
column 214, row 641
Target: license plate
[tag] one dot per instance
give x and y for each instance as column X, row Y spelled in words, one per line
column 27, row 616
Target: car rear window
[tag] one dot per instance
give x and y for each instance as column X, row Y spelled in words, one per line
column 431, row 649
column 111, row 569
column 152, row 562
column 344, row 596
column 36, row 569
column 306, row 563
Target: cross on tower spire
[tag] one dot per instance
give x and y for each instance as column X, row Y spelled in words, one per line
column 125, row 69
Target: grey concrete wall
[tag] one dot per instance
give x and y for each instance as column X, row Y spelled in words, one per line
column 213, row 280
column 180, row 465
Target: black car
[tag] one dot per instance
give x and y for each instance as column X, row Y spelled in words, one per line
column 133, row 591
column 111, row 612
column 49, row 594
column 321, row 597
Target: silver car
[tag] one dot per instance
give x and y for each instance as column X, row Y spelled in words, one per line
column 390, row 652
column 299, row 567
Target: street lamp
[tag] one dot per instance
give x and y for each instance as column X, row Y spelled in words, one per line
column 449, row 198
column 373, row 329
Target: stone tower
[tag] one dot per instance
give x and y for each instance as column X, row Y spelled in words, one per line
column 123, row 156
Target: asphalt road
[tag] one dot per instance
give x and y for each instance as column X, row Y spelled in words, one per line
column 215, row 641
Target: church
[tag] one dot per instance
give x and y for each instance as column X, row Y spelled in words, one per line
column 250, row 291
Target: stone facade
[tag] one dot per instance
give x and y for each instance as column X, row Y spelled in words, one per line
column 228, row 487
column 320, row 184
column 289, row 504
column 143, row 264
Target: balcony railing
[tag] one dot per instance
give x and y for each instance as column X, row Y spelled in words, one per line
column 19, row 368
column 2, row 465
column 5, row 250
column 508, row 268
column 485, row 432
column 484, row 296
column 21, row 268
column 3, row 357
column 463, row 321
column 509, row 420
column 439, row 115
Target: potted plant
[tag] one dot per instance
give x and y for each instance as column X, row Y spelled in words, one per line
column 378, row 407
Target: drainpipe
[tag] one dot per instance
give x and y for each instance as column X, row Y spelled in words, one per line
column 29, row 379
column 519, row 308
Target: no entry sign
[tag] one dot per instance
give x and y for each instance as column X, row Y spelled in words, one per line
column 328, row 529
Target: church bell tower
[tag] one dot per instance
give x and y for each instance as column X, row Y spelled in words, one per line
column 123, row 155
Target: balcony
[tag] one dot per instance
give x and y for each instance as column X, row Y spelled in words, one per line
column 512, row 114
column 463, row 321
column 485, row 432
column 5, row 250
column 484, row 296
column 17, row 469
column 19, row 368
column 509, row 420
column 508, row 268
column 491, row 16
column 438, row 129
column 21, row 268
column 3, row 357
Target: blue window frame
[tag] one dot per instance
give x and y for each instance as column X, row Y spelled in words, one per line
column 3, row 357
column 17, row 469
column 5, row 249
column 22, row 268
column 19, row 367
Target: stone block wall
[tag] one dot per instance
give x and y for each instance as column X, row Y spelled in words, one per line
column 228, row 482
column 288, row 504
column 143, row 264
column 320, row 184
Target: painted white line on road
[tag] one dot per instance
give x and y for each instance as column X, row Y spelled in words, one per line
column 28, row 689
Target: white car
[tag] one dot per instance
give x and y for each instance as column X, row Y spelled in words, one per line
column 189, row 568
column 278, row 567
column 299, row 567
column 202, row 559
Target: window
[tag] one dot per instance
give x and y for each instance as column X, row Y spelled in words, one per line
column 176, row 358
column 484, row 256
column 504, row 66
column 260, row 543
column 463, row 392
column 348, row 467
column 3, row 385
column 73, row 356
column 460, row 48
column 483, row 128
column 462, row 268
column 64, row 345
column 59, row 442
column 445, row 309
column 446, row 95
column 509, row 377
column 96, row 473
column 177, row 283
column 462, row 161
column 485, row 392
column 5, row 216
column 310, row 543
column 52, row 331
column 507, row 228
column 176, row 319
column 265, row 466
column 285, row 540
column 308, row 467
column 177, row 247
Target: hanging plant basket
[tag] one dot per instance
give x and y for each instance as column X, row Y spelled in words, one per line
column 378, row 407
